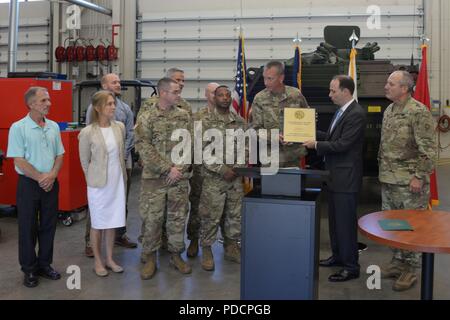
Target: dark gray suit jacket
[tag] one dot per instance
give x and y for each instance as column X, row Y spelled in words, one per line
column 343, row 148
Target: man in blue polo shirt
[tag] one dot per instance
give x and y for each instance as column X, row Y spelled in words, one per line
column 35, row 144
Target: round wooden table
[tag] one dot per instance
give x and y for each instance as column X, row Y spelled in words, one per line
column 431, row 235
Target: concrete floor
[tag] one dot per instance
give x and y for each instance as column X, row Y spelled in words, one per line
column 223, row 283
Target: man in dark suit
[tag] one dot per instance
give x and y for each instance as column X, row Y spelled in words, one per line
column 342, row 147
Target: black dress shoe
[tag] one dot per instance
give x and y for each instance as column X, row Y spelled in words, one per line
column 30, row 280
column 49, row 273
column 343, row 275
column 330, row 262
column 361, row 247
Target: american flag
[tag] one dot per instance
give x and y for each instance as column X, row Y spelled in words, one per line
column 240, row 103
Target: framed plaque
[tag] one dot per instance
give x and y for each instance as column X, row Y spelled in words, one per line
column 299, row 124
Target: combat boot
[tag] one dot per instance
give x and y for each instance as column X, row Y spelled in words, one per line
column 149, row 269
column 192, row 250
column 145, row 257
column 393, row 269
column 232, row 251
column 178, row 263
column 406, row 280
column 207, row 259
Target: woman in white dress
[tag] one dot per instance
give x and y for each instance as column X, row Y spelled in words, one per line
column 101, row 147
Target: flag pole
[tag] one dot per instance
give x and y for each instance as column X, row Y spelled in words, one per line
column 424, row 39
column 247, row 182
column 352, row 63
column 244, row 77
column 243, row 66
column 297, row 77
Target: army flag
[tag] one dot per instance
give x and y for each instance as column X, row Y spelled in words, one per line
column 297, row 69
column 352, row 71
column 422, row 94
column 240, row 102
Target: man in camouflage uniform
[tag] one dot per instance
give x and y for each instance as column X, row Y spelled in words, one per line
column 178, row 76
column 193, row 227
column 164, row 184
column 406, row 159
column 222, row 189
column 268, row 110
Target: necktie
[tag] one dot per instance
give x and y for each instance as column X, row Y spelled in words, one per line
column 338, row 115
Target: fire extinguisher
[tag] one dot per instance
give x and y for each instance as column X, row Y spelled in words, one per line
column 60, row 54
column 90, row 53
column 71, row 53
column 112, row 52
column 91, row 57
column 101, row 52
column 80, row 53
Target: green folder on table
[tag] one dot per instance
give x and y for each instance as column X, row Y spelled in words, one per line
column 395, row 225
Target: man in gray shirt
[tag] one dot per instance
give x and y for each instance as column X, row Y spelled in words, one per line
column 111, row 82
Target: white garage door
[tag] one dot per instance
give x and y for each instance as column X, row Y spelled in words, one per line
column 34, row 37
column 200, row 36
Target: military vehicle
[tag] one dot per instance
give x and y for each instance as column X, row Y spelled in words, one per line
column 319, row 67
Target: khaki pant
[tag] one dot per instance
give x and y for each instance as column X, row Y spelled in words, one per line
column 220, row 205
column 398, row 197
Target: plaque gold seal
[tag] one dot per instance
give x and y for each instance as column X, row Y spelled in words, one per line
column 299, row 115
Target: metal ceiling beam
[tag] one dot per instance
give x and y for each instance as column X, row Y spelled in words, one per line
column 91, row 6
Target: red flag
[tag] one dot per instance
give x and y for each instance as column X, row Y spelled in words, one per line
column 422, row 94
